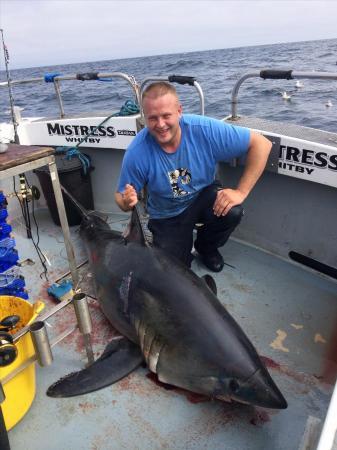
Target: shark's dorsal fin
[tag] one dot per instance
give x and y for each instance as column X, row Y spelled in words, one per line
column 136, row 227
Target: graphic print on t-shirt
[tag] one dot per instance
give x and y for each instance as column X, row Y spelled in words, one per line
column 177, row 176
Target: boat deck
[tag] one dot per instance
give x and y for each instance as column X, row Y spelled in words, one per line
column 289, row 313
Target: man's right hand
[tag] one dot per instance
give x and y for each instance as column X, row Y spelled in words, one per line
column 130, row 196
column 128, row 199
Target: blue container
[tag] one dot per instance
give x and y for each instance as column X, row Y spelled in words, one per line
column 11, row 282
column 3, row 200
column 3, row 214
column 5, row 230
column 14, row 292
column 9, row 259
column 6, row 245
column 22, row 294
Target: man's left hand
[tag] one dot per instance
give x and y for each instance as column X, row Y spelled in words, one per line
column 226, row 199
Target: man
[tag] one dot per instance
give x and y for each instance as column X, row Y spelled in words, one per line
column 176, row 157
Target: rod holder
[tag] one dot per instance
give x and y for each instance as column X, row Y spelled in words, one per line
column 41, row 343
column 84, row 323
column 82, row 313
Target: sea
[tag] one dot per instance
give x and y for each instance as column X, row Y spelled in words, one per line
column 215, row 70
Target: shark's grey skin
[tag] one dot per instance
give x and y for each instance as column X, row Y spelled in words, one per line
column 171, row 318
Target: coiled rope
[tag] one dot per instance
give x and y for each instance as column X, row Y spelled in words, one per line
column 129, row 107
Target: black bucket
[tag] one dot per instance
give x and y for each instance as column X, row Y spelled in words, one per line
column 78, row 184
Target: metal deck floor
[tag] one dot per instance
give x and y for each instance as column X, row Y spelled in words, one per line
column 288, row 312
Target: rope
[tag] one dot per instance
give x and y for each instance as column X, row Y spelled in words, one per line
column 129, row 107
column 73, row 152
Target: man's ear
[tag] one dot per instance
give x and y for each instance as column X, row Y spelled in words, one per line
column 180, row 110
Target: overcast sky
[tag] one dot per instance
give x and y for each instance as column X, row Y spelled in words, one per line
column 48, row 32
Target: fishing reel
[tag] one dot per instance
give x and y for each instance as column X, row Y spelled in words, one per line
column 8, row 350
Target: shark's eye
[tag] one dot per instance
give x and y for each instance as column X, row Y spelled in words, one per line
column 234, row 385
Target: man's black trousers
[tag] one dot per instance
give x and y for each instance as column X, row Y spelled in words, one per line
column 175, row 235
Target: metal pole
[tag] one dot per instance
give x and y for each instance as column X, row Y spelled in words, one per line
column 59, row 98
column 64, row 222
column 201, row 98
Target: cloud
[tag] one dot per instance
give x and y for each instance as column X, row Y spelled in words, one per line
column 59, row 32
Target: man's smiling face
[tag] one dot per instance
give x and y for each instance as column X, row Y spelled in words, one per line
column 162, row 114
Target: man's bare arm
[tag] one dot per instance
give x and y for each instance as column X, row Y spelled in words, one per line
column 257, row 156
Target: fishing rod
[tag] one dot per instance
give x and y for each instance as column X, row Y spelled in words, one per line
column 11, row 101
column 24, row 199
column 25, row 192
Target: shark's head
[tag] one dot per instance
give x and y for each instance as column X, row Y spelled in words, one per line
column 258, row 389
column 247, row 381
column 212, row 355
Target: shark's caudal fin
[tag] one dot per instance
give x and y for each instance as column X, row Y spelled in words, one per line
column 119, row 358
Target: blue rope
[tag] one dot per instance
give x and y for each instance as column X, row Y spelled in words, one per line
column 129, row 107
column 49, row 77
column 73, row 152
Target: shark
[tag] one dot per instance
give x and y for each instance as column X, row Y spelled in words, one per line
column 170, row 319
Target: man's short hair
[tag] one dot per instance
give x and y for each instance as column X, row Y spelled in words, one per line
column 158, row 89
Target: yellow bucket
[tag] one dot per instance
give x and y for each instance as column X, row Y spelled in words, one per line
column 19, row 390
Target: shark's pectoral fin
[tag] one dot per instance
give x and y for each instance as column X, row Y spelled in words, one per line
column 209, row 280
column 119, row 358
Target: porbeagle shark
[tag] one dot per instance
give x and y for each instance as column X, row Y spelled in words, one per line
column 170, row 318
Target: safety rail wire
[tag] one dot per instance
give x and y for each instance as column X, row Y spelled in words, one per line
column 56, row 80
column 276, row 74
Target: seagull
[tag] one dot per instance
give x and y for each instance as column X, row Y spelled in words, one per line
column 298, row 84
column 328, row 103
column 285, row 95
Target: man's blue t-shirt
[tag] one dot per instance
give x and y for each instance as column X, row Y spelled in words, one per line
column 174, row 179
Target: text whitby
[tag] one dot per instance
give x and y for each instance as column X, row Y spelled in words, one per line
column 305, row 161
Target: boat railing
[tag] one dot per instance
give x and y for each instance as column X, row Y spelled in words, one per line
column 180, row 79
column 275, row 74
column 56, row 79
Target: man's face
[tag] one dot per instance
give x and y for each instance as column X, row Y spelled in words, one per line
column 162, row 116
